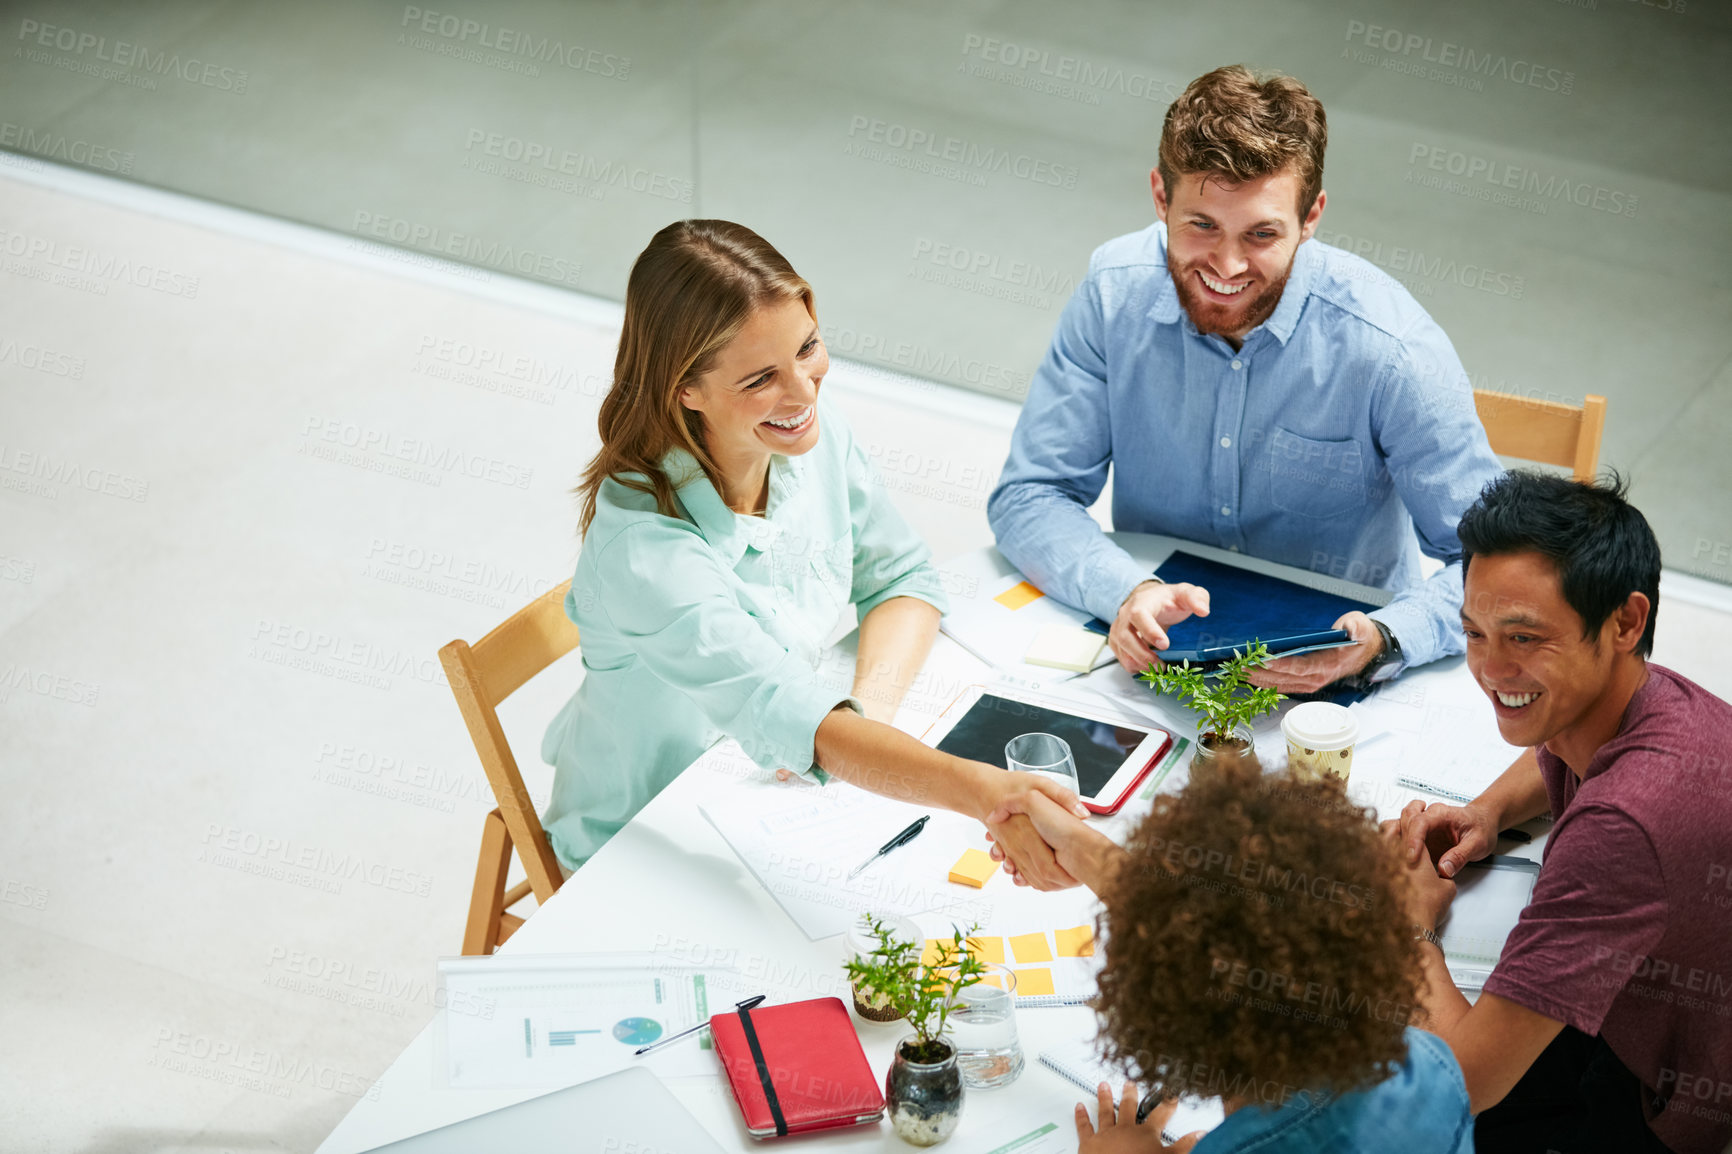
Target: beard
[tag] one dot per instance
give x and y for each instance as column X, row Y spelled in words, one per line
column 1227, row 320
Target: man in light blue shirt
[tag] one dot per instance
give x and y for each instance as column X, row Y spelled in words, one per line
column 1253, row 389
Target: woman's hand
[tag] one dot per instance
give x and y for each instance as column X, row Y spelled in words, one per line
column 1082, row 851
column 1428, row 893
column 1121, row 1133
column 1027, row 856
column 1451, row 835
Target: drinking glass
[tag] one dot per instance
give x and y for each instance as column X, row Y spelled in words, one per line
column 1043, row 753
column 983, row 1030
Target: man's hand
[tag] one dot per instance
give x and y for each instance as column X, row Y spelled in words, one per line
column 1451, row 835
column 1139, row 630
column 1082, row 851
column 1028, row 858
column 1310, row 672
column 1121, row 1133
column 1428, row 893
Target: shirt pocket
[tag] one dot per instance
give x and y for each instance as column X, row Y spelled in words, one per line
column 832, row 570
column 1310, row 477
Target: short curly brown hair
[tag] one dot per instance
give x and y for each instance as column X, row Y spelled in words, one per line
column 1232, row 125
column 1256, row 943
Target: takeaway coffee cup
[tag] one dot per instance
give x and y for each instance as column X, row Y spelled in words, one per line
column 1320, row 739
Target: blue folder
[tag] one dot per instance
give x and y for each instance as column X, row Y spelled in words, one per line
column 1244, row 607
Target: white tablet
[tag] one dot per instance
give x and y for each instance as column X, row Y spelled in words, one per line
column 1112, row 753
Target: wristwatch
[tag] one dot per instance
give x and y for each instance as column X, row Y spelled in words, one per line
column 1386, row 665
column 1421, row 934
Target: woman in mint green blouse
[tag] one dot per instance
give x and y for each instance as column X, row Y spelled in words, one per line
column 730, row 520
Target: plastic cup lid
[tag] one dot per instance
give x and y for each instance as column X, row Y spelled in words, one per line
column 1320, row 725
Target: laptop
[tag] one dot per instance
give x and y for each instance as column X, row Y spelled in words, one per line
column 630, row 1110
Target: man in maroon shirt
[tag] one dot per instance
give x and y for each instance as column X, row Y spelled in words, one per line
column 1607, row 1024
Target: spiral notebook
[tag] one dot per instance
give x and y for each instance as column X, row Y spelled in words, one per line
column 1078, row 1062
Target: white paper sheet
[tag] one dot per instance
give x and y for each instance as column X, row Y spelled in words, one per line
column 1001, row 637
column 1443, row 729
column 550, row 1020
column 801, row 844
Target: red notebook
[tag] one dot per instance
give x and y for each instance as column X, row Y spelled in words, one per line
column 807, row 1071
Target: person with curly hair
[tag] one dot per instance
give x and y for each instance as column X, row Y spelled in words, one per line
column 1261, row 942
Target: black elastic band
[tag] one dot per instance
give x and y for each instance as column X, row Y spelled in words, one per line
column 764, row 1073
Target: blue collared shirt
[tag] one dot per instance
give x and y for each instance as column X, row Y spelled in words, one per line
column 713, row 624
column 1421, row 1108
column 1341, row 438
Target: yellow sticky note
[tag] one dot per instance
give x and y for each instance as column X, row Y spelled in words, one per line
column 987, row 949
column 1033, row 983
column 1076, row 943
column 929, row 955
column 992, row 980
column 1030, row 948
column 1019, row 595
column 972, row 868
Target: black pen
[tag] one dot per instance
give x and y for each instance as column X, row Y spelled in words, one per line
column 902, row 838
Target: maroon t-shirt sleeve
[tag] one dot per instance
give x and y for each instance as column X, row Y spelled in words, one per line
column 1599, row 907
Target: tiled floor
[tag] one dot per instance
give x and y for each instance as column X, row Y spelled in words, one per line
column 241, row 813
column 1548, row 177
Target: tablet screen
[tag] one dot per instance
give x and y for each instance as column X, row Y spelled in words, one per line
column 1098, row 747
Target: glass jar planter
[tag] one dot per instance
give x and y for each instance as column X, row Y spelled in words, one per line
column 1238, row 747
column 924, row 1097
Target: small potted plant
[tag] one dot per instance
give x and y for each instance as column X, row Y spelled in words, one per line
column 923, row 1089
column 1224, row 701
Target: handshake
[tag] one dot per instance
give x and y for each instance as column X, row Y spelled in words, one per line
column 1037, row 830
column 1039, row 835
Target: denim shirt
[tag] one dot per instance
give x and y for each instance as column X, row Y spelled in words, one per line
column 1341, row 438
column 712, row 625
column 1421, row 1108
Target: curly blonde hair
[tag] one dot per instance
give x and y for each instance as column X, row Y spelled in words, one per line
column 1256, row 943
column 1235, row 126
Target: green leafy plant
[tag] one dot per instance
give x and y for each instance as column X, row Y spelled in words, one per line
column 1223, row 699
column 926, row 995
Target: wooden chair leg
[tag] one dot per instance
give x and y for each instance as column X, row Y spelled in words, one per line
column 487, row 900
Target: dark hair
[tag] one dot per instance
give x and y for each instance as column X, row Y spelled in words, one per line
column 1236, row 126
column 1258, row 945
column 1601, row 544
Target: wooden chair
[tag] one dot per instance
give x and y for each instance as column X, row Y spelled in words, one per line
column 1550, row 432
column 481, row 676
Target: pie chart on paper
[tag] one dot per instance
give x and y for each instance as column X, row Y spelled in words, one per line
column 637, row 1031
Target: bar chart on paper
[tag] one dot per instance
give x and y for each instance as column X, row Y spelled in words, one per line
column 548, row 1021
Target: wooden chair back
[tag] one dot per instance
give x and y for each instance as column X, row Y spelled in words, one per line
column 1551, row 432
column 481, row 676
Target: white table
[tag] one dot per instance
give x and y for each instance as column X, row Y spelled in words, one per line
column 669, row 883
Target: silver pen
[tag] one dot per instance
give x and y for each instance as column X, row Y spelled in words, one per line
column 743, row 1004
column 1432, row 788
